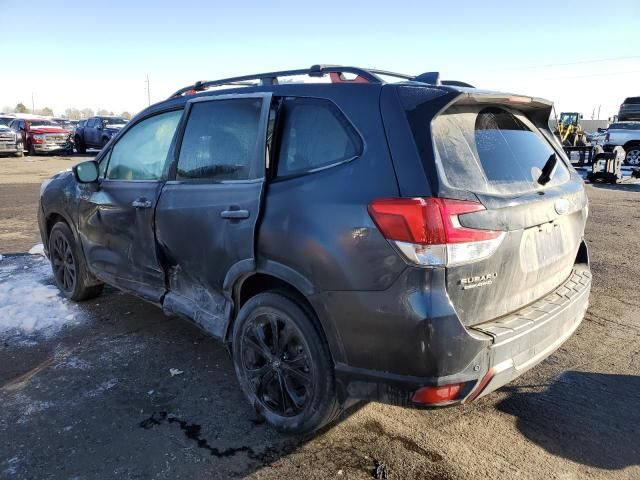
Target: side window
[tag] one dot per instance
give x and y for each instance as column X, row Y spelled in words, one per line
column 141, row 152
column 221, row 141
column 314, row 134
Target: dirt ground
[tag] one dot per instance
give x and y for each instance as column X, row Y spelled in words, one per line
column 20, row 180
column 98, row 401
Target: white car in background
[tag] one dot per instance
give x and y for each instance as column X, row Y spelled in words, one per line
column 627, row 136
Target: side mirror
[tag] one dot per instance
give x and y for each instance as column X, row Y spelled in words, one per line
column 86, row 172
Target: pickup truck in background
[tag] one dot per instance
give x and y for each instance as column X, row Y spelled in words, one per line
column 10, row 142
column 96, row 132
column 627, row 136
column 39, row 135
column 630, row 109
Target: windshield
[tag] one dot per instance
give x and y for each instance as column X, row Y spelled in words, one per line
column 42, row 123
column 5, row 120
column 569, row 118
column 113, row 121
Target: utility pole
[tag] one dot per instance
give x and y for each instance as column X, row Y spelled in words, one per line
column 599, row 106
column 33, row 105
column 148, row 91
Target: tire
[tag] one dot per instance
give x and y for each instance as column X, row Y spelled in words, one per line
column 20, row 151
column 288, row 378
column 80, row 146
column 105, row 140
column 69, row 266
column 632, row 156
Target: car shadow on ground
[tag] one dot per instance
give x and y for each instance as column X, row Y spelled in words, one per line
column 590, row 418
column 624, row 187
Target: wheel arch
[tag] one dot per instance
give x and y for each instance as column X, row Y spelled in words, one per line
column 294, row 286
column 51, row 218
column 631, row 143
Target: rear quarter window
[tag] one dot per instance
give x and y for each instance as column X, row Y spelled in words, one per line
column 314, row 134
column 492, row 150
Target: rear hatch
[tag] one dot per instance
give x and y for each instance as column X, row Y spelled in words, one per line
column 494, row 149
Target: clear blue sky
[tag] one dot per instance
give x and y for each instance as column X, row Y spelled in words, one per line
column 97, row 53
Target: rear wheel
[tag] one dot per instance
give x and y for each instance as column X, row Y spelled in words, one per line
column 69, row 267
column 283, row 364
column 633, row 156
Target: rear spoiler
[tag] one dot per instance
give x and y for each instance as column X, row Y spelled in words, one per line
column 538, row 109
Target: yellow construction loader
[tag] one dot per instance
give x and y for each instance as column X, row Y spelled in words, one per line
column 569, row 130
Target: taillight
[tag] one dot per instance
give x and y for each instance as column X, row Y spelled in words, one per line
column 428, row 232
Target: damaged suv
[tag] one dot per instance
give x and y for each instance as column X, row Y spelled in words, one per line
column 417, row 242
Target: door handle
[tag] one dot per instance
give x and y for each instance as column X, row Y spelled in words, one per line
column 235, row 214
column 141, row 203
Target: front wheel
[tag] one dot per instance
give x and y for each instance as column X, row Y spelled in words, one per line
column 633, row 156
column 80, row 146
column 283, row 364
column 69, row 267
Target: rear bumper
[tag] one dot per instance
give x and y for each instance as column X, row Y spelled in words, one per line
column 524, row 339
column 509, row 347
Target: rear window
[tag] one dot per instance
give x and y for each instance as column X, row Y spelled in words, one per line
column 632, row 100
column 492, row 150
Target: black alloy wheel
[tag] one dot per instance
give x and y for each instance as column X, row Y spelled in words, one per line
column 283, row 363
column 276, row 361
column 69, row 266
column 63, row 263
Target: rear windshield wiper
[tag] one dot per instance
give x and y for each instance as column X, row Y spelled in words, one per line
column 547, row 170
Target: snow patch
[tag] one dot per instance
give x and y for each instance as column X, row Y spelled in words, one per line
column 29, row 307
column 37, row 250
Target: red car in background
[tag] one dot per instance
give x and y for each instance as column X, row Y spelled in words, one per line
column 42, row 136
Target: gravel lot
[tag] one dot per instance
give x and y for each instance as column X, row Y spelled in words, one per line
column 94, row 398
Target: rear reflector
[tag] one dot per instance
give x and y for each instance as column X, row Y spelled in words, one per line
column 428, row 232
column 437, row 394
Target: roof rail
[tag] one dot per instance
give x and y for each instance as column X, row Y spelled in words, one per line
column 336, row 73
column 363, row 75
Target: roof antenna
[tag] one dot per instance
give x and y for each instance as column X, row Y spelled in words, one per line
column 432, row 78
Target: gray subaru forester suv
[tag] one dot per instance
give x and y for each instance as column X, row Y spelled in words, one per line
column 361, row 235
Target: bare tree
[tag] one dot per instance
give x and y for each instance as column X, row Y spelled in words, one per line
column 46, row 112
column 86, row 113
column 72, row 113
column 21, row 108
column 126, row 115
column 102, row 111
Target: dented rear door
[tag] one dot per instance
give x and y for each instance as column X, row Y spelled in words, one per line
column 207, row 213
